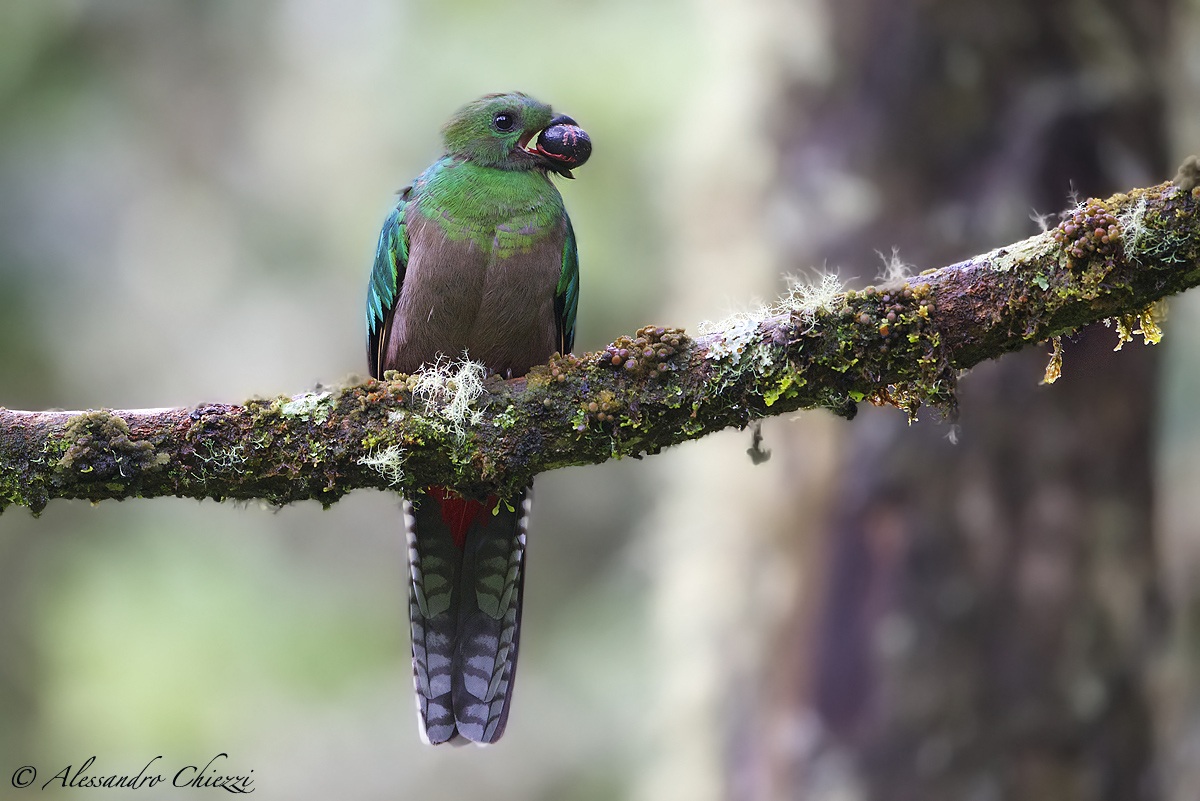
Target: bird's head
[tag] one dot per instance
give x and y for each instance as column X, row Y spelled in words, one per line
column 501, row 131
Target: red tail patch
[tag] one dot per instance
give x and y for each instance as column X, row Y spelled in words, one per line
column 458, row 513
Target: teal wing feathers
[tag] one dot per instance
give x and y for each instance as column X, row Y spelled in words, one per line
column 391, row 259
column 566, row 296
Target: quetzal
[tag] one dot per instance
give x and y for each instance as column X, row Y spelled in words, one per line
column 477, row 258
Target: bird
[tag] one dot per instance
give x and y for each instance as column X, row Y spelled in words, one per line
column 477, row 260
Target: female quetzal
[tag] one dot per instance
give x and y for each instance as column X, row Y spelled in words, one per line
column 478, row 257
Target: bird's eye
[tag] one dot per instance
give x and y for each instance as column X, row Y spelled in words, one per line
column 504, row 121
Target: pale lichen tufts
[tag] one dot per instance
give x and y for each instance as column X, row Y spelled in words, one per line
column 734, row 335
column 1041, row 220
column 806, row 300
column 894, row 268
column 1134, row 233
column 387, row 462
column 448, row 389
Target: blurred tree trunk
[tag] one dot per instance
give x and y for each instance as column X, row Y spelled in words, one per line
column 990, row 610
column 1178, row 692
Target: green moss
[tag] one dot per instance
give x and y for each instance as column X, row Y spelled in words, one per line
column 506, row 419
column 1151, row 239
column 881, row 345
column 784, row 388
column 878, row 345
column 97, row 446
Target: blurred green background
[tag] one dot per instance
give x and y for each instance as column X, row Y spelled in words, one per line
column 190, row 195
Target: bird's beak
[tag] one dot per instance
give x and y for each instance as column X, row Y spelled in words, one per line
column 551, row 161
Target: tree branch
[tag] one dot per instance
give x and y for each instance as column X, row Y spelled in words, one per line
column 901, row 344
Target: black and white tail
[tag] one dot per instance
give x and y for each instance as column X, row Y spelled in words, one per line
column 467, row 564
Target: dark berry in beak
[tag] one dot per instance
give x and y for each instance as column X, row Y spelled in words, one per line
column 564, row 144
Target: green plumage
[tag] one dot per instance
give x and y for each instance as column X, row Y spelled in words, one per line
column 487, row 195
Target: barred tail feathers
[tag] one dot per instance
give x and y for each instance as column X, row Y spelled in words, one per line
column 467, row 570
column 434, row 564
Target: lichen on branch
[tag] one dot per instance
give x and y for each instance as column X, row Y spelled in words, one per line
column 903, row 343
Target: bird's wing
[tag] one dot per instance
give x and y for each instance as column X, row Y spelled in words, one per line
column 391, row 260
column 566, row 296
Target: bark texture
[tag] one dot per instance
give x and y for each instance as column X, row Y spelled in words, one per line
column 901, row 344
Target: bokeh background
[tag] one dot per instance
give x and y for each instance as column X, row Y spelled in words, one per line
column 190, row 195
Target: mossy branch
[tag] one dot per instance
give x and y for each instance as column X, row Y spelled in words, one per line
column 902, row 344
